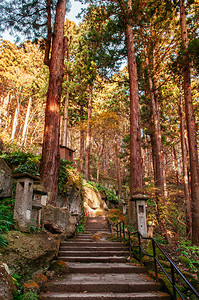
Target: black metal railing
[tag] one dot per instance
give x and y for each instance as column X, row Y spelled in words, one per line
column 125, row 234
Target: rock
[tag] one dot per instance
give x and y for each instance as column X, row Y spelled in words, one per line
column 39, row 278
column 50, row 274
column 28, row 253
column 58, row 220
column 73, row 201
column 7, row 286
column 92, row 198
column 60, row 267
column 31, row 286
column 6, row 181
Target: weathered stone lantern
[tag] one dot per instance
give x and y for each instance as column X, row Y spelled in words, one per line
column 39, row 196
column 140, row 207
column 23, row 201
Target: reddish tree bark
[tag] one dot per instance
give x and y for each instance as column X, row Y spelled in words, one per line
column 194, row 166
column 157, row 136
column 88, row 135
column 135, row 133
column 50, row 161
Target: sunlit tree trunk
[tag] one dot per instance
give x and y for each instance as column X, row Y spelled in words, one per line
column 88, row 135
column 65, row 120
column 185, row 168
column 26, row 120
column 190, row 118
column 50, row 161
column 15, row 121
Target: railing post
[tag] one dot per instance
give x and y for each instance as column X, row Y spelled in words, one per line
column 173, row 281
column 117, row 231
column 130, row 248
column 155, row 262
column 120, row 232
column 140, row 252
column 124, row 233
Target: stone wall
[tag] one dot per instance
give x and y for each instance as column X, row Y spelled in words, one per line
column 6, row 181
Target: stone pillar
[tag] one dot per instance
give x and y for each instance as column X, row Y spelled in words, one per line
column 124, row 207
column 23, row 201
column 140, row 206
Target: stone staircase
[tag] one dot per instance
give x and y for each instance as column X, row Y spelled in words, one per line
column 99, row 270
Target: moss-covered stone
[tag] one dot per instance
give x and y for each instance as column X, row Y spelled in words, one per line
column 60, row 267
column 31, row 286
column 28, row 253
column 40, row 278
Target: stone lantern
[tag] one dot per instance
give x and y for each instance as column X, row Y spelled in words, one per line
column 23, row 201
column 39, row 199
column 140, row 206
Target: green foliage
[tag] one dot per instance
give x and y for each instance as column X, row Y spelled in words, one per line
column 81, row 228
column 3, row 241
column 26, row 296
column 22, row 162
column 98, row 187
column 6, row 219
column 68, row 176
column 189, row 255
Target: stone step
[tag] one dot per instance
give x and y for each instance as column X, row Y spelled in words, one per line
column 106, row 296
column 94, row 259
column 103, row 283
column 77, row 240
column 99, row 268
column 98, row 229
column 90, row 248
column 94, row 244
column 98, row 253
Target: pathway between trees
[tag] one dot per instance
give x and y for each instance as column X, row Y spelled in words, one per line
column 99, row 270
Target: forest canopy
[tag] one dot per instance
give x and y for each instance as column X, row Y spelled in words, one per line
column 72, row 79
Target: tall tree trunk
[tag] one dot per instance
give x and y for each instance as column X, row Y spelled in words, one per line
column 156, row 132
column 15, row 121
column 194, row 166
column 26, row 120
column 50, row 161
column 119, row 179
column 65, row 120
column 61, row 130
column 81, row 155
column 135, row 132
column 88, row 135
column 175, row 165
column 66, row 99
column 185, row 169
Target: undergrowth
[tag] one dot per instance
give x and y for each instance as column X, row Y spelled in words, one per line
column 6, row 219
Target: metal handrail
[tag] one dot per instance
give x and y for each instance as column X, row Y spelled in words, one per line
column 120, row 227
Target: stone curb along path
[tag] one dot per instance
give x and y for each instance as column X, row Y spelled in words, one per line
column 99, row 270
